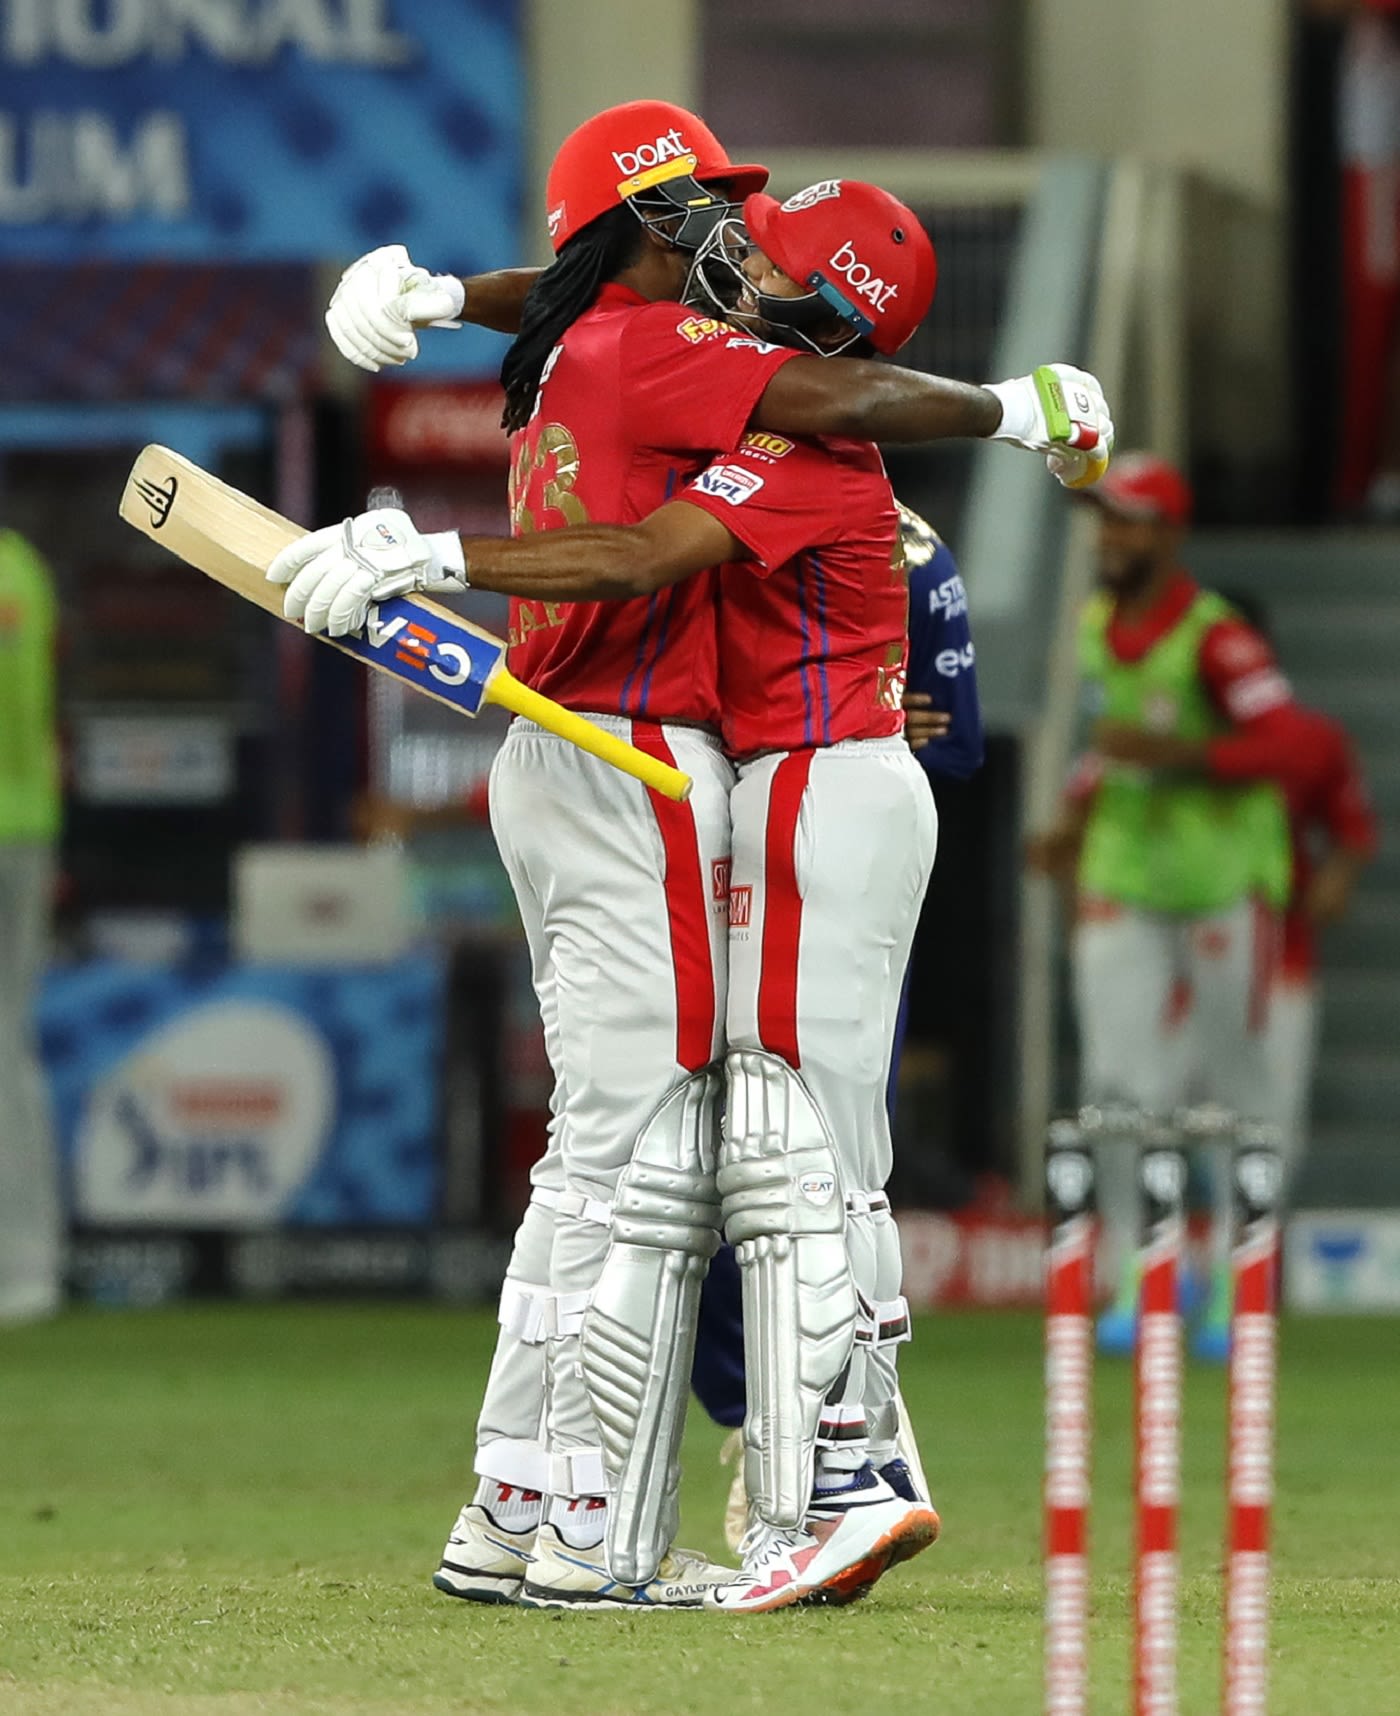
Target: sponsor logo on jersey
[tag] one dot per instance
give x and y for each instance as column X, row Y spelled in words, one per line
column 747, row 344
column 698, row 328
column 719, row 878
column 740, row 906
column 951, row 662
column 730, row 483
column 823, row 191
column 771, row 446
column 948, row 598
column 862, row 278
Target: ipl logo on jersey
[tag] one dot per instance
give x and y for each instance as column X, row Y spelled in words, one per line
column 730, row 483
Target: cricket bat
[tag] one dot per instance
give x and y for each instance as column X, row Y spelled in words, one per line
column 233, row 538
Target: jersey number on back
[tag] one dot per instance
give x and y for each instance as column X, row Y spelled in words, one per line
column 556, row 491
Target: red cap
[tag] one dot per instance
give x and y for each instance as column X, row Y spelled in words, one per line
column 628, row 149
column 861, row 248
column 1140, row 485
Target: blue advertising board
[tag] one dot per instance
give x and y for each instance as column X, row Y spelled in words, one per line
column 263, row 131
column 224, row 1096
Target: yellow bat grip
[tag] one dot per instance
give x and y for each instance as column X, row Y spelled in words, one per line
column 504, row 688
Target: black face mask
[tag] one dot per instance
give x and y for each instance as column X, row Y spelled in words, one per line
column 683, row 211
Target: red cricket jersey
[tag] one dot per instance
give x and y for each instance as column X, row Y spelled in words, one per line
column 1330, row 795
column 635, row 399
column 814, row 626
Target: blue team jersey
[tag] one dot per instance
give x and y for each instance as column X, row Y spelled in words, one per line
column 942, row 661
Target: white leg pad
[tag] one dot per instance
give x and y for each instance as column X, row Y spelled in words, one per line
column 785, row 1214
column 639, row 1334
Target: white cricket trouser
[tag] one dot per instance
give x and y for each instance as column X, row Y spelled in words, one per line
column 1128, row 967
column 31, row 1219
column 832, row 854
column 1291, row 1042
column 623, row 899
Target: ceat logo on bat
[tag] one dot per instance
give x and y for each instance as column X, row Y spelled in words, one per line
column 771, row 446
column 729, row 483
column 417, row 647
column 698, row 328
column 862, row 279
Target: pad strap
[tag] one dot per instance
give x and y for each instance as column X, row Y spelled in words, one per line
column 524, row 1464
column 883, row 1322
column 535, row 1314
column 575, row 1204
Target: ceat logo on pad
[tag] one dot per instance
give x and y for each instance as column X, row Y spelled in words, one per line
column 863, row 279
column 817, row 1188
column 729, row 483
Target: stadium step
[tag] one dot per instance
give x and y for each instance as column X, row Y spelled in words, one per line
column 1327, row 569
column 1349, row 1167
column 1360, row 1010
column 1369, row 937
column 1358, row 1086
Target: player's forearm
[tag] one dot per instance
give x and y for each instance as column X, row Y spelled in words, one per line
column 873, row 402
column 586, row 563
column 495, row 300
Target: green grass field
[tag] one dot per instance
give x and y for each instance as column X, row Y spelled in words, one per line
column 218, row 1511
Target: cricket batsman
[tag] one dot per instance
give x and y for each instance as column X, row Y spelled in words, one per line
column 618, row 395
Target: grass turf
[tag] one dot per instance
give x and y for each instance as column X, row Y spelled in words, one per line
column 233, row 1511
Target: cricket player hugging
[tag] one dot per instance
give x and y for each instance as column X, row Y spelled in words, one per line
column 689, row 569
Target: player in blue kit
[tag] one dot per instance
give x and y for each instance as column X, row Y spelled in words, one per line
column 943, row 724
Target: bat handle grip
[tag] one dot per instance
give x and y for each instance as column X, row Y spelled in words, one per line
column 504, row 688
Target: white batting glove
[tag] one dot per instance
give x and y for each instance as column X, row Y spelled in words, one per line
column 334, row 575
column 379, row 302
column 1059, row 411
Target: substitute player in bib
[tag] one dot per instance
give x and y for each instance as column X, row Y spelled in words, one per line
column 1181, row 873
column 603, row 312
column 1332, row 837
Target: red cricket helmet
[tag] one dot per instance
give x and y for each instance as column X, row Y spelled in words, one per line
column 629, row 149
column 1142, row 485
column 857, row 247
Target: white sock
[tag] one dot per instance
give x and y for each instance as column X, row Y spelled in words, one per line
column 837, row 1471
column 512, row 1508
column 580, row 1520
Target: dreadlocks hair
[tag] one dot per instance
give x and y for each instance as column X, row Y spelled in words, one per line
column 559, row 297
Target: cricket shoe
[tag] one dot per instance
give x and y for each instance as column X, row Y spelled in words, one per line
column 563, row 1578
column 483, row 1562
column 838, row 1552
column 898, row 1476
